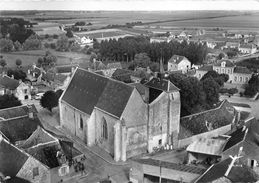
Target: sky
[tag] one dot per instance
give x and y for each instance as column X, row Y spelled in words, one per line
column 129, row 5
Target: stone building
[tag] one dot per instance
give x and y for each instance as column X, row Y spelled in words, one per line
column 178, row 62
column 113, row 115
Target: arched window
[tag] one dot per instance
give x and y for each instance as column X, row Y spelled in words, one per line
column 104, row 133
column 81, row 122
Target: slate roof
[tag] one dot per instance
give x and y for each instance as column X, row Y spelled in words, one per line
column 62, row 69
column 228, row 63
column 236, row 137
column 232, row 44
column 122, row 75
column 207, row 146
column 18, row 126
column 18, row 111
column 170, row 165
column 88, row 90
column 236, row 174
column 11, row 158
column 242, row 70
column 196, row 123
column 176, row 59
column 163, row 85
column 9, row 83
column 140, row 87
column 247, row 46
column 206, row 68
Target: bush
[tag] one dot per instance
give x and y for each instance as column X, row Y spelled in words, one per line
column 32, row 43
column 232, row 91
column 223, row 90
column 6, row 45
column 52, row 45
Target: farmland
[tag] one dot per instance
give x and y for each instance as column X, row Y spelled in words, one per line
column 30, row 57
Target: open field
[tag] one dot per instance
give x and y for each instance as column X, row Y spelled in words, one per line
column 227, row 19
column 30, row 57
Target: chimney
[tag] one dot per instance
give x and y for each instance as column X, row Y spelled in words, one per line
column 30, row 112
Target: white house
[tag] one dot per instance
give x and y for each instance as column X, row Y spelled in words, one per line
column 178, row 62
column 12, row 86
column 247, row 49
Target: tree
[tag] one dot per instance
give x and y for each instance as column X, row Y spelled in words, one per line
column 62, row 43
column 6, row 45
column 17, row 74
column 211, row 89
column 142, row 60
column 219, row 78
column 32, row 43
column 69, row 33
column 3, row 62
column 7, row 101
column 49, row 59
column 49, row 100
column 18, row 62
column 17, row 46
column 40, row 61
column 221, row 55
column 253, row 86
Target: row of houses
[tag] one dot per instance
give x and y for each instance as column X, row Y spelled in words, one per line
column 29, row 153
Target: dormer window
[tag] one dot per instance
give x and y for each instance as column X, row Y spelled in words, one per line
column 223, row 64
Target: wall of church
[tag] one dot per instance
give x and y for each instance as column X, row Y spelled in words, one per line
column 74, row 120
column 158, row 118
column 106, row 144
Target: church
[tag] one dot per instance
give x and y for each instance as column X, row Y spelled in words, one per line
column 116, row 117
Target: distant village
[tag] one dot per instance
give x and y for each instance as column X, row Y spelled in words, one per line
column 180, row 122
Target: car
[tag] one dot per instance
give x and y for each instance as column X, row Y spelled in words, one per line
column 38, row 96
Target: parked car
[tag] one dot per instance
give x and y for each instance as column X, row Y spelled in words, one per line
column 38, row 96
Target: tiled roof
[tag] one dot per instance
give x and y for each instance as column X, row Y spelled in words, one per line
column 237, row 173
column 9, row 83
column 18, row 128
column 140, row 87
column 176, row 59
column 114, row 65
column 65, row 68
column 11, row 158
column 242, row 70
column 161, row 84
column 228, row 63
column 122, row 75
column 14, row 112
column 196, row 123
column 88, row 90
column 170, row 165
column 206, row 68
column 207, row 146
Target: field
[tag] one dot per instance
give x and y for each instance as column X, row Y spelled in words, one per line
column 47, row 28
column 30, row 57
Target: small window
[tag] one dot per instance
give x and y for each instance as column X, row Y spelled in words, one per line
column 35, row 171
column 81, row 122
column 25, row 90
column 104, row 134
column 235, row 79
column 160, row 142
column 240, row 79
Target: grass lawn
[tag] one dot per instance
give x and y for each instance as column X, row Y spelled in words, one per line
column 30, row 57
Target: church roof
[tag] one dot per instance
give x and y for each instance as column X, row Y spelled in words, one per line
column 9, row 83
column 88, row 90
column 161, row 84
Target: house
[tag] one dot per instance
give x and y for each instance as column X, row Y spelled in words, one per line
column 232, row 45
column 178, row 62
column 111, row 68
column 237, row 74
column 229, row 170
column 207, row 124
column 21, row 166
column 201, row 71
column 244, row 141
column 65, row 69
column 83, row 40
column 206, row 150
column 113, row 115
column 152, row 170
column 12, row 86
column 55, row 80
column 34, row 74
column 211, row 44
column 18, row 123
column 247, row 48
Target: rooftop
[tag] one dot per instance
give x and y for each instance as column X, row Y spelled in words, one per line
column 161, row 84
column 177, row 59
column 88, row 90
column 242, row 70
column 9, row 83
column 206, row 68
column 228, row 63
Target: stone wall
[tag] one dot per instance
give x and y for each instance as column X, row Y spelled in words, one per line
column 26, row 172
